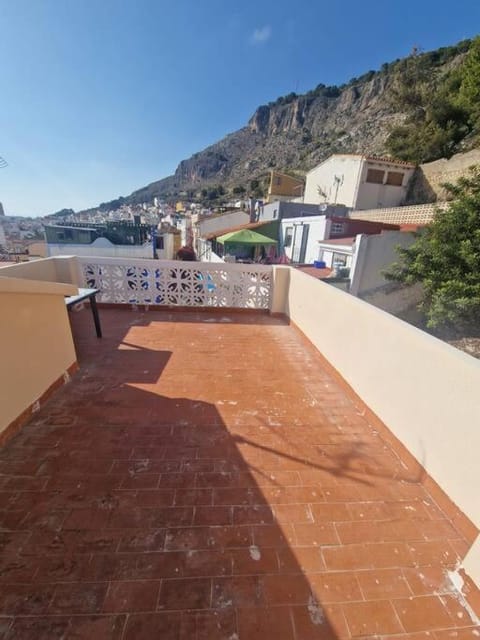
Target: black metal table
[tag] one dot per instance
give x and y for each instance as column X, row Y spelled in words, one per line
column 87, row 294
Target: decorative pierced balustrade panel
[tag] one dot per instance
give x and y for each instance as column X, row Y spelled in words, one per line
column 194, row 284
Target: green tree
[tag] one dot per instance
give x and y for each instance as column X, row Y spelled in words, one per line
column 436, row 119
column 469, row 94
column 445, row 259
column 212, row 193
column 256, row 188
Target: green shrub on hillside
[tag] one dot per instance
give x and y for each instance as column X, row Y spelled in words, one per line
column 440, row 110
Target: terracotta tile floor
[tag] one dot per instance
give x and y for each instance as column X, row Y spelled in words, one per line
column 202, row 477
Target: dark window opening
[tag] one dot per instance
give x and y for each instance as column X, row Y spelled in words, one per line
column 375, row 176
column 288, row 237
column 394, row 178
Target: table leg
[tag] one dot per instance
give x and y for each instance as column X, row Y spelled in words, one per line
column 96, row 319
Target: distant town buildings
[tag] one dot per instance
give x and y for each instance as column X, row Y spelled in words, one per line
column 122, row 239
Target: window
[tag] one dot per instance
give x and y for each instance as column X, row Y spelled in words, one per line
column 394, row 178
column 339, row 260
column 375, row 176
column 288, row 237
column 337, row 227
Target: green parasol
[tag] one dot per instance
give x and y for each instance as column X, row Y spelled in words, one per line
column 245, row 236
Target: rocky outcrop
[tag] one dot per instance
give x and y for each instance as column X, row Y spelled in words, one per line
column 295, row 132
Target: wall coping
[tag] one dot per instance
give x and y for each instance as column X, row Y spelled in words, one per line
column 36, row 287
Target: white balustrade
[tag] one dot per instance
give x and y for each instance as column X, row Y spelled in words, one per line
column 176, row 283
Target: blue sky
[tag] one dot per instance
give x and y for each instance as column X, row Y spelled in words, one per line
column 100, row 97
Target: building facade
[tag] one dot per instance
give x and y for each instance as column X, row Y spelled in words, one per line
column 113, row 240
column 284, row 187
column 280, row 209
column 358, row 182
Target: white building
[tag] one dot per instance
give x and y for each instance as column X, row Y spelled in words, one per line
column 103, row 248
column 300, row 237
column 358, row 182
column 337, row 253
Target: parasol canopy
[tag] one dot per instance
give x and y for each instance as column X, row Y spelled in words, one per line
column 247, row 237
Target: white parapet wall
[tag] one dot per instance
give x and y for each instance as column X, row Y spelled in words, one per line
column 57, row 269
column 425, row 391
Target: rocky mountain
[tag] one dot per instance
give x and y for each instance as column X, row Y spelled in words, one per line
column 296, row 132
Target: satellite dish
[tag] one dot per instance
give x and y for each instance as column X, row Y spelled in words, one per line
column 322, row 207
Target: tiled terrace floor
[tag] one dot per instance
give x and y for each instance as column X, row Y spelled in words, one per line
column 203, row 477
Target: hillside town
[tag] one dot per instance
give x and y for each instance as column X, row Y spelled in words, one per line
column 342, row 223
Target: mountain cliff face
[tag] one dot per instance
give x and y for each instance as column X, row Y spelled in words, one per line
column 297, row 132
column 296, row 135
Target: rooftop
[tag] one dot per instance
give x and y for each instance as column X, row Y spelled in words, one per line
column 205, row 475
column 370, row 158
column 340, row 241
column 313, row 271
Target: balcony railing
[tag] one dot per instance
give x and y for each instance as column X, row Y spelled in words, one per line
column 173, row 283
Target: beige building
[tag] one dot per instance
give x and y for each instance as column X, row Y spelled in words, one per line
column 284, row 187
column 358, row 182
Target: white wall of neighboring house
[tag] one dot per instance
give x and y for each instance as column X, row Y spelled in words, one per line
column 215, row 224
column 334, row 253
column 317, row 228
column 337, row 177
column 373, row 255
column 103, row 248
column 372, row 195
column 353, row 180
